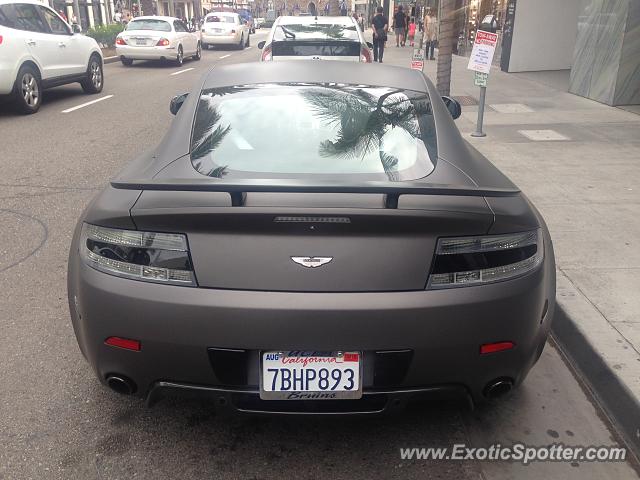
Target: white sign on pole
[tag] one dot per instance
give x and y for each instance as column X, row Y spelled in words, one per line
column 480, row 79
column 484, row 47
column 417, row 60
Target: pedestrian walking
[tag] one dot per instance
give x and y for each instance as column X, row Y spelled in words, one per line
column 380, row 27
column 399, row 23
column 412, row 31
column 430, row 34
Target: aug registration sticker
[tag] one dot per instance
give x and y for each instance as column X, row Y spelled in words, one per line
column 310, row 375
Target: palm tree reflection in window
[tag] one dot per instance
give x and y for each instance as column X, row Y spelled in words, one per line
column 208, row 134
column 364, row 119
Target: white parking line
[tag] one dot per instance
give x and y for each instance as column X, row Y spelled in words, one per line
column 225, row 56
column 181, row 71
column 72, row 109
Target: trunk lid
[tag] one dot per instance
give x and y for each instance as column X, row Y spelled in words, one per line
column 365, row 247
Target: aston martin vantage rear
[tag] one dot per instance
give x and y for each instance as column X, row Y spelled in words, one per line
column 312, row 237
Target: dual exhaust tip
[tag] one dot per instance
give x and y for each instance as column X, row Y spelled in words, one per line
column 497, row 388
column 121, row 384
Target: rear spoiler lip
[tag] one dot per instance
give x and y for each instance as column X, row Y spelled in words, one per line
column 238, row 189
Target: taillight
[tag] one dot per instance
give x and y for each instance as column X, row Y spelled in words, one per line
column 468, row 261
column 125, row 343
column 163, row 42
column 266, row 54
column 233, row 31
column 365, row 55
column 1, row 39
column 120, row 41
column 147, row 256
column 496, row 347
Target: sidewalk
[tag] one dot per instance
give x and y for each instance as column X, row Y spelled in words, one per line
column 579, row 162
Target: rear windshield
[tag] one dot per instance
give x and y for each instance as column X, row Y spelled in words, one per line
column 307, row 49
column 316, row 32
column 324, row 131
column 221, row 19
column 155, row 25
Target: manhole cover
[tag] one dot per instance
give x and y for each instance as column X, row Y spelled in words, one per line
column 466, row 100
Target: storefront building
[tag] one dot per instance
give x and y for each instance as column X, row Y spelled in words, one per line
column 596, row 42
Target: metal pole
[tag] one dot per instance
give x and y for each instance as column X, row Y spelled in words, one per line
column 76, row 12
column 479, row 132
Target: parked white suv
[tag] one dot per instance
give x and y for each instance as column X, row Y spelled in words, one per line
column 39, row 50
column 316, row 38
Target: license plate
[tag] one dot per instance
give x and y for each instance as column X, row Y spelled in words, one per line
column 217, row 30
column 311, row 375
column 141, row 42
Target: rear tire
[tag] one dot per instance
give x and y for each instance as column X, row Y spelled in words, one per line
column 205, row 46
column 180, row 57
column 28, row 90
column 127, row 62
column 198, row 54
column 248, row 41
column 241, row 44
column 95, row 76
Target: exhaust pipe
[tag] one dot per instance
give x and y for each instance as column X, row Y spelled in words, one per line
column 121, row 384
column 498, row 388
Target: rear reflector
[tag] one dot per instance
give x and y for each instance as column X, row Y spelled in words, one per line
column 496, row 347
column 124, row 343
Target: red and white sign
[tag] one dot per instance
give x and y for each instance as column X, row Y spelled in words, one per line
column 417, row 64
column 484, row 47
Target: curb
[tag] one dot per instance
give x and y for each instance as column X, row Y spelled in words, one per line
column 618, row 402
column 107, row 60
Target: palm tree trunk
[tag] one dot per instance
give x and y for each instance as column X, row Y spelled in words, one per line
column 147, row 7
column 446, row 38
column 334, row 7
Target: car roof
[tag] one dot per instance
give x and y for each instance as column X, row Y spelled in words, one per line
column 155, row 17
column 311, row 20
column 221, row 12
column 326, row 71
column 32, row 2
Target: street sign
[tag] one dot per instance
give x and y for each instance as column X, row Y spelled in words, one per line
column 417, row 60
column 480, row 79
column 484, row 47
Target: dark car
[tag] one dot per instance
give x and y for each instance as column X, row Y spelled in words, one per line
column 312, row 237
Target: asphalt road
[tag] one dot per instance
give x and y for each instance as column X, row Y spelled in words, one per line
column 57, row 421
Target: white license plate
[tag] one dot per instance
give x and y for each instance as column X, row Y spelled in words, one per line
column 310, row 375
column 141, row 42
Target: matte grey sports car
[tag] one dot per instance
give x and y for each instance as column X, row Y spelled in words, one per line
column 312, row 237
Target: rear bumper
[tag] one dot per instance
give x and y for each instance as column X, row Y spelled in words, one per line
column 248, row 400
column 208, row 39
column 146, row 53
column 443, row 329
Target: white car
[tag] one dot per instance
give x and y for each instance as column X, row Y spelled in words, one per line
column 39, row 50
column 224, row 28
column 316, row 38
column 157, row 38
